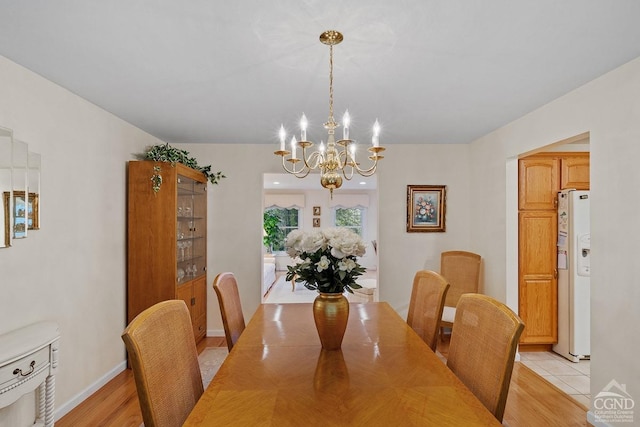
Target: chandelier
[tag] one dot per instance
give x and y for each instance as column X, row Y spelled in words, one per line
column 338, row 158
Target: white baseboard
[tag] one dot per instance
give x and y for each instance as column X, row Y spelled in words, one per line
column 65, row 408
column 215, row 332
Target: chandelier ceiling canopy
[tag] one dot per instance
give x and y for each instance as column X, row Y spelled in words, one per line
column 338, row 158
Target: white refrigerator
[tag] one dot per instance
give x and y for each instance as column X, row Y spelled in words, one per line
column 574, row 265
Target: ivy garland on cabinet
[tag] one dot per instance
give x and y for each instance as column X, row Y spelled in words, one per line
column 169, row 154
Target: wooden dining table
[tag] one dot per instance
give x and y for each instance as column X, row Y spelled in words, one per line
column 278, row 375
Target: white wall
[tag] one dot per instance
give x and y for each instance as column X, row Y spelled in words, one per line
column 72, row 270
column 608, row 108
column 400, row 253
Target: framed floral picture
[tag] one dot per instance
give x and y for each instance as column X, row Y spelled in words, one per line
column 426, row 208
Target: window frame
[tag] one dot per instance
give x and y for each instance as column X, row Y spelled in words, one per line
column 363, row 218
column 285, row 228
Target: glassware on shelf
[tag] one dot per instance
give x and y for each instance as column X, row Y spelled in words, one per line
column 191, row 270
column 188, row 245
column 181, row 246
column 180, row 230
column 180, row 275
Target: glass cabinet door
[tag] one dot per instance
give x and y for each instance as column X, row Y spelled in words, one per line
column 191, row 229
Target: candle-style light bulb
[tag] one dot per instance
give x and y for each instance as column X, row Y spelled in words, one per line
column 352, row 151
column 375, row 140
column 346, row 120
column 282, row 135
column 303, row 127
column 321, row 148
column 293, row 147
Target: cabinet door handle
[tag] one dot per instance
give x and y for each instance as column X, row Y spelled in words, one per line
column 22, row 374
column 193, row 301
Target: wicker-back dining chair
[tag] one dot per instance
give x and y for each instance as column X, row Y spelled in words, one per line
column 426, row 304
column 163, row 356
column 483, row 346
column 461, row 269
column 226, row 288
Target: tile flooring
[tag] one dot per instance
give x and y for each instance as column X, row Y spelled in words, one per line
column 572, row 378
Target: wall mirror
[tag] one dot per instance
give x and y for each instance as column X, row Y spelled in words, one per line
column 20, row 167
column 19, row 188
column 6, row 148
column 33, row 181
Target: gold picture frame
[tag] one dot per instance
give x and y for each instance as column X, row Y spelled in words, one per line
column 7, row 220
column 316, row 211
column 426, row 208
column 316, row 222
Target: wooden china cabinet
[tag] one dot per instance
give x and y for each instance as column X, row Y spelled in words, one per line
column 166, row 232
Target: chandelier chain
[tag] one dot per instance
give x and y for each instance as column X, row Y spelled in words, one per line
column 331, row 83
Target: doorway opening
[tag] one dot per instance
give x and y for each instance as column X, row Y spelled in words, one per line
column 534, row 292
column 303, row 204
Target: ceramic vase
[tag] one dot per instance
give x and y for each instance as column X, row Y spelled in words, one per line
column 331, row 312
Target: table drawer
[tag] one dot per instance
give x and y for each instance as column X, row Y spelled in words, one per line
column 24, row 368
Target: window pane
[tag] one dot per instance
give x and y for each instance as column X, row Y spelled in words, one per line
column 288, row 222
column 350, row 218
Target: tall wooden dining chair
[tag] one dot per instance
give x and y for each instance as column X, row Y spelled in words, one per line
column 426, row 304
column 226, row 289
column 483, row 346
column 163, row 356
column 461, row 269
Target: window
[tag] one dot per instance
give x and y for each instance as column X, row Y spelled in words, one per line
column 289, row 220
column 352, row 218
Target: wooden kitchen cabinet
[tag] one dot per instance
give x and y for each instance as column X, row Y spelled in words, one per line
column 538, row 183
column 538, row 287
column 574, row 172
column 166, row 239
column 540, row 177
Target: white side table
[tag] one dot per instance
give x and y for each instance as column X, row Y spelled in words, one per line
column 28, row 362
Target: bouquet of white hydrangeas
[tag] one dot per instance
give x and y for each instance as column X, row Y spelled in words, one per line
column 328, row 259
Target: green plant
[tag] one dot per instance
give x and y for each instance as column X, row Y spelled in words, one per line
column 271, row 225
column 167, row 153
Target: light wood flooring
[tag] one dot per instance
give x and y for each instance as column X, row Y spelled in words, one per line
column 532, row 401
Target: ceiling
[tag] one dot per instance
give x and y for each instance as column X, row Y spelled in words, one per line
column 213, row 71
